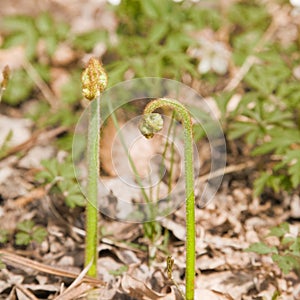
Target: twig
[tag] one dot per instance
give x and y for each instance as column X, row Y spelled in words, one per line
column 21, row 261
column 40, row 83
column 30, row 295
column 226, row 170
column 33, row 195
column 76, row 282
column 75, row 292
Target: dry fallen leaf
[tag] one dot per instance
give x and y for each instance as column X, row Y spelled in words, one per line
column 211, row 295
column 236, row 284
column 138, row 289
column 176, row 228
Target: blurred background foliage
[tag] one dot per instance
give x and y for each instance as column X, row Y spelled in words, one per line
column 201, row 43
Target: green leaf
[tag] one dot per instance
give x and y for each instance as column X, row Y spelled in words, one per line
column 286, row 262
column 222, row 101
column 261, row 248
column 291, row 161
column 22, row 239
column 276, row 182
column 87, row 41
column 14, row 39
column 67, row 185
column 243, row 45
column 67, row 170
column 119, row 271
column 62, row 30
column 51, row 43
column 52, row 167
column 289, row 92
column 3, row 236
column 26, row 26
column 26, row 226
column 287, row 240
column 266, row 78
column 239, row 129
column 64, row 117
column 157, row 32
column 39, row 234
column 280, row 231
column 71, row 91
column 293, row 157
column 75, row 200
column 276, row 295
column 249, row 15
column 281, row 140
column 201, row 16
column 44, row 23
column 43, row 71
column 274, row 144
column 116, row 71
column 18, row 89
column 150, row 8
column 295, row 246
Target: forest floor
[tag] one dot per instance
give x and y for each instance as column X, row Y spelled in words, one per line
column 131, row 265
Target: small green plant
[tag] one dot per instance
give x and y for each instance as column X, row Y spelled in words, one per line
column 20, row 86
column 28, row 31
column 3, row 236
column 94, row 81
column 150, row 124
column 28, row 232
column 62, row 181
column 5, row 145
column 286, row 254
column 154, row 37
column 119, row 271
column 265, row 113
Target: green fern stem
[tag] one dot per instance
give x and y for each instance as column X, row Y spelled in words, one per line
column 93, row 143
column 150, row 125
column 94, row 81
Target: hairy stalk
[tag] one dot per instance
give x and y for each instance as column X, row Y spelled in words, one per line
column 151, row 124
column 94, row 80
column 92, row 187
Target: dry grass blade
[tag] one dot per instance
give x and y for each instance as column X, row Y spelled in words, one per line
column 75, row 283
column 40, row 83
column 25, row 291
column 75, row 292
column 227, row 170
column 20, row 261
column 33, row 195
column 140, row 290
